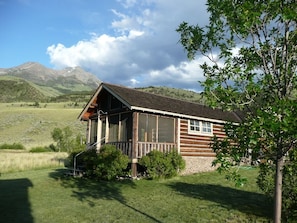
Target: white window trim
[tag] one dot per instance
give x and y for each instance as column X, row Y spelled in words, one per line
column 201, row 132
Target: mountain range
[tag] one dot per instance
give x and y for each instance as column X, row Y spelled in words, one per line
column 33, row 81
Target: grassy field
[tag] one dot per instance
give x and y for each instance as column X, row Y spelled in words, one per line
column 31, row 126
column 13, row 161
column 46, row 195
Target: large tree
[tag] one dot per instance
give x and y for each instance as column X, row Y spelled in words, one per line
column 252, row 52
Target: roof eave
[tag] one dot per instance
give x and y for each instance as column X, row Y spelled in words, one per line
column 178, row 115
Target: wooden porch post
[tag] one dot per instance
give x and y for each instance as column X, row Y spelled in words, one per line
column 99, row 131
column 88, row 133
column 107, row 129
column 134, row 144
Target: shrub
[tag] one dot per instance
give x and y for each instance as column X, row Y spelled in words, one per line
column 265, row 181
column 106, row 165
column 111, row 163
column 162, row 165
column 14, row 146
column 40, row 149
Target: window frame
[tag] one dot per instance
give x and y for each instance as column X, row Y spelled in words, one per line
column 200, row 126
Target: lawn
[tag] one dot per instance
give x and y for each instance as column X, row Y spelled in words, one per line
column 47, row 195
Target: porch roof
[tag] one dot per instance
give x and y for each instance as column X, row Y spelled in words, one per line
column 143, row 101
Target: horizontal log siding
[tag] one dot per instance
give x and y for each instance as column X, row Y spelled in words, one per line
column 197, row 145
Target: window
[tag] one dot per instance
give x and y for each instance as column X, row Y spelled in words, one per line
column 200, row 127
column 152, row 128
column 206, row 127
column 194, row 126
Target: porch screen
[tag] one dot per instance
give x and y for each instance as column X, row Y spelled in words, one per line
column 94, row 126
column 165, row 129
column 154, row 128
column 113, row 128
column 147, row 128
column 125, row 127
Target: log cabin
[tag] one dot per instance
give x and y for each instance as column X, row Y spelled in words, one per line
column 138, row 122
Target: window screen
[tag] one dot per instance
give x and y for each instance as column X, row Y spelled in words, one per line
column 165, row 129
column 147, row 128
column 113, row 128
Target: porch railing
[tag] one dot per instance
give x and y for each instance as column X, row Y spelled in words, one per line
column 125, row 147
column 143, row 148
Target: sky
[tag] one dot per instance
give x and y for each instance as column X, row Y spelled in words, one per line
column 128, row 42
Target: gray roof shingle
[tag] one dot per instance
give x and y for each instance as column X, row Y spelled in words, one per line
column 140, row 99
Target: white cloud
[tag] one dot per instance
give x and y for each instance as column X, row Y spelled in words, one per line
column 144, row 48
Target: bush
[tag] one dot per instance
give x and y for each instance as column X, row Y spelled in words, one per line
column 162, row 165
column 111, row 163
column 14, row 146
column 106, row 165
column 265, row 181
column 40, row 149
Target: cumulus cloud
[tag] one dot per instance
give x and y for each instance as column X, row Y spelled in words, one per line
column 143, row 50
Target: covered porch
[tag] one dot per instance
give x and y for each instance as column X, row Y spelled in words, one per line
column 134, row 133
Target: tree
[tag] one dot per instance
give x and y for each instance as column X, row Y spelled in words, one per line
column 64, row 139
column 252, row 52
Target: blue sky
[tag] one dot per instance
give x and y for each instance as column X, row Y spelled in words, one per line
column 127, row 42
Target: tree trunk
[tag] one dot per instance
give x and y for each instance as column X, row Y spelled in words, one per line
column 278, row 190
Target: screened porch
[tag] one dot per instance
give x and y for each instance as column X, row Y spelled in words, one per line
column 136, row 134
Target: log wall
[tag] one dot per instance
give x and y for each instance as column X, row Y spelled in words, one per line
column 197, row 145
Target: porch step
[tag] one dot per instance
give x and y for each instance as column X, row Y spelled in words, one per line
column 75, row 173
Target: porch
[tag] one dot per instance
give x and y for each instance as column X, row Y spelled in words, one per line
column 142, row 148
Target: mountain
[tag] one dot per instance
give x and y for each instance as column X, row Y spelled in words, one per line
column 53, row 82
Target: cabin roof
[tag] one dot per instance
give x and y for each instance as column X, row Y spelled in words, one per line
column 142, row 101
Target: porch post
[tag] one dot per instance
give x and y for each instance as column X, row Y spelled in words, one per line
column 134, row 160
column 99, row 131
column 107, row 129
column 88, row 132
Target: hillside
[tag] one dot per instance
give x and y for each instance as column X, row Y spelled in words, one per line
column 32, row 125
column 14, row 89
column 176, row 93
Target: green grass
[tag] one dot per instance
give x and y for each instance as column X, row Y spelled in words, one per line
column 21, row 160
column 48, row 196
column 32, row 127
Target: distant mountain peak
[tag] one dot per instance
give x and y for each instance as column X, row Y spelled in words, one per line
column 66, row 78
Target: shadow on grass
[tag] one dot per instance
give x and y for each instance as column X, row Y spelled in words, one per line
column 15, row 205
column 230, row 198
column 87, row 189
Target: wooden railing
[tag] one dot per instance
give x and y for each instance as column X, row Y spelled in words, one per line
column 143, row 148
column 125, row 147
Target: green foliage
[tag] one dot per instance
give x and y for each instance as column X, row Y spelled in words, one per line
column 254, row 70
column 265, row 181
column 111, row 163
column 14, row 146
column 42, row 149
column 162, row 165
column 65, row 140
column 107, row 164
column 86, row 159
